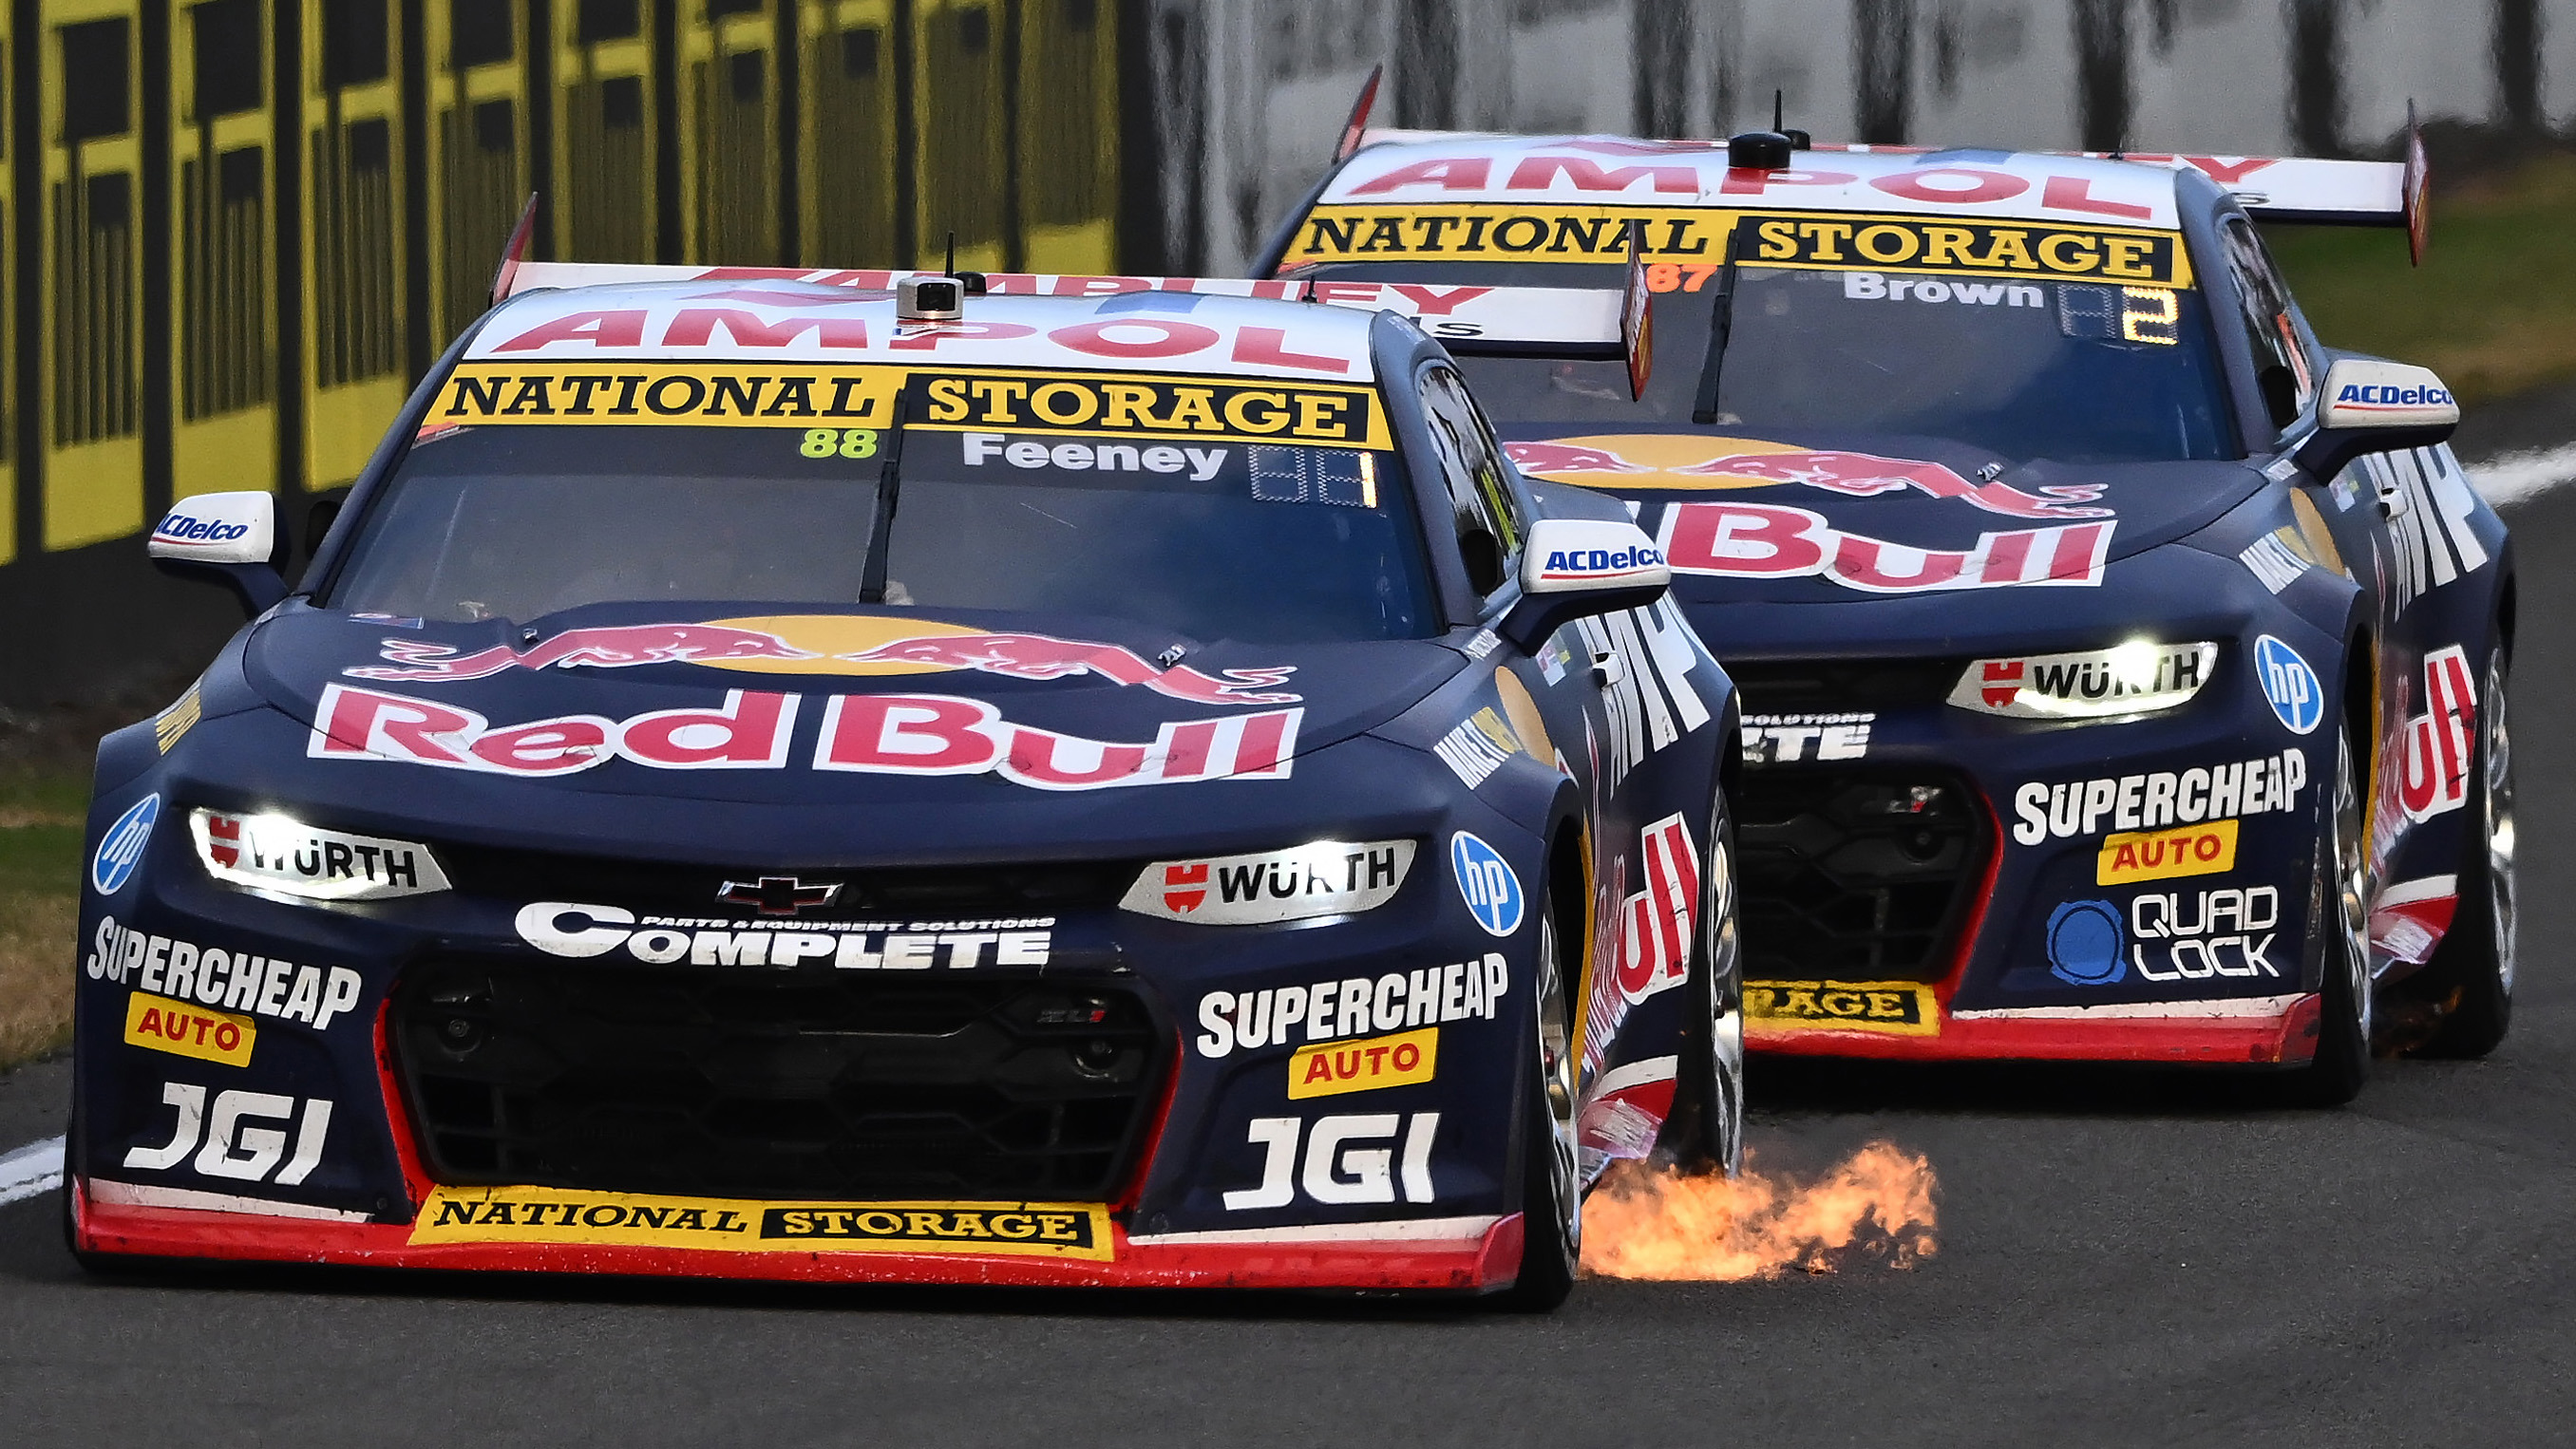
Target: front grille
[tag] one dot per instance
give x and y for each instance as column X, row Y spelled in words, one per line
column 1807, row 686
column 664, row 888
column 775, row 1084
column 1856, row 875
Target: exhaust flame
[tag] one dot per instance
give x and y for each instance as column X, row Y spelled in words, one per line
column 1655, row 1222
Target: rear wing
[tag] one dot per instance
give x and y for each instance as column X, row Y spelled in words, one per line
column 1574, row 323
column 2293, row 189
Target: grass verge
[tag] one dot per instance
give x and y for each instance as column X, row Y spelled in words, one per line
column 2493, row 309
column 40, row 839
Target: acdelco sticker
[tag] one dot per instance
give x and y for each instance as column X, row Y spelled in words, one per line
column 2164, row 854
column 1902, row 1008
column 556, row 1215
column 187, row 1030
column 1333, row 1068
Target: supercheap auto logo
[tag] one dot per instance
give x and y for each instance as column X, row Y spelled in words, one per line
column 553, row 1215
column 1824, row 240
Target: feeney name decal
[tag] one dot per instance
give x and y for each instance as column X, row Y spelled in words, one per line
column 1821, row 240
column 1775, row 541
column 895, row 734
column 616, row 1219
column 1902, row 1008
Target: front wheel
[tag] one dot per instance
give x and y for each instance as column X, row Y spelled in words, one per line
column 2471, row 975
column 1706, row 1131
column 2340, row 907
column 1551, row 1189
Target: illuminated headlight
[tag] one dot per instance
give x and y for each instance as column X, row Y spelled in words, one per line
column 2139, row 677
column 286, row 857
column 1326, row 878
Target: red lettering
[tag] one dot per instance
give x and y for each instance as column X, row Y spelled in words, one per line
column 1439, row 301
column 1752, row 540
column 1171, row 339
column 1267, row 346
column 909, row 734
column 1753, row 180
column 932, row 334
column 1451, row 173
column 2075, row 193
column 1538, row 173
column 1050, row 760
column 619, row 328
column 2205, row 846
column 1982, row 185
column 546, row 747
column 1407, row 1056
column 749, row 731
column 696, row 328
column 1100, row 286
column 2228, row 173
column 363, row 722
column 227, row 1037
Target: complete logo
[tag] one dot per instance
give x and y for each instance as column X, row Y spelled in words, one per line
column 122, row 848
column 2289, row 684
column 1485, row 880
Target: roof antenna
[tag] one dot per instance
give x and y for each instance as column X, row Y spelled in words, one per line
column 1798, row 140
column 974, row 283
column 933, row 298
column 950, row 269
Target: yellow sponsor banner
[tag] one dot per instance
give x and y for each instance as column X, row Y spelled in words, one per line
column 792, row 395
column 183, row 1028
column 636, row 1220
column 1332, row 1068
column 1903, row 1008
column 2206, row 849
column 1842, row 241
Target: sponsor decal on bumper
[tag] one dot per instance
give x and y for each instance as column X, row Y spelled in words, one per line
column 553, row 1215
column 1904, row 1008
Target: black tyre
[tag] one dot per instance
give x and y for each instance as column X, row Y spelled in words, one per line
column 2339, row 907
column 1706, row 1130
column 1551, row 1185
column 2470, row 977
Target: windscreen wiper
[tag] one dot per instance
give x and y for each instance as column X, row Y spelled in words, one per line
column 872, row 573
column 1721, row 327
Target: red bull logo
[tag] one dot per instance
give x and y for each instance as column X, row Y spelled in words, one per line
column 819, row 645
column 1041, row 656
column 618, row 647
column 1680, row 461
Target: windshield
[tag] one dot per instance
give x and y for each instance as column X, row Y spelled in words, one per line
column 1214, row 538
column 2077, row 372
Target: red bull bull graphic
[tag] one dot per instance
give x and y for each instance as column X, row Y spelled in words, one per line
column 1680, row 461
column 1768, row 541
column 887, row 734
column 814, row 646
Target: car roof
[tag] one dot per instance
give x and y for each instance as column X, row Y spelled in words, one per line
column 753, row 319
column 1461, row 168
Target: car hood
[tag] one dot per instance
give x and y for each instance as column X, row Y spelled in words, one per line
column 716, row 703
column 1851, row 518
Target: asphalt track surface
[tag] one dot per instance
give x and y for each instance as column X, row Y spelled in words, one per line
column 2125, row 1258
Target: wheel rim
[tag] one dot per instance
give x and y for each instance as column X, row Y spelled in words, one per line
column 2352, row 880
column 1726, row 1022
column 2499, row 820
column 1556, row 1070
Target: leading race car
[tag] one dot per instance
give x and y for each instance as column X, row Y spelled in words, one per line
column 772, row 779
column 2125, row 670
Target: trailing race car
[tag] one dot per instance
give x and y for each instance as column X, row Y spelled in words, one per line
column 2124, row 670
column 774, row 779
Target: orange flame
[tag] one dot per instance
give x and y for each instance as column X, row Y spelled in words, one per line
column 1655, row 1222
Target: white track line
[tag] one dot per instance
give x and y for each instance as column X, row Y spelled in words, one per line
column 34, row 1168
column 2513, row 477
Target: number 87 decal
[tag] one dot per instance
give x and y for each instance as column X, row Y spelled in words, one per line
column 839, row 443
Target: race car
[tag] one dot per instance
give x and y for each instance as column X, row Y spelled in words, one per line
column 2124, row 669
column 862, row 776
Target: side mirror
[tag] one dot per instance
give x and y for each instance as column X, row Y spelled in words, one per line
column 1572, row 568
column 2375, row 407
column 230, row 538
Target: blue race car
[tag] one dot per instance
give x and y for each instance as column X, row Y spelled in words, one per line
column 2124, row 669
column 855, row 777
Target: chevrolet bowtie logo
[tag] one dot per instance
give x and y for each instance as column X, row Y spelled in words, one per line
column 778, row 895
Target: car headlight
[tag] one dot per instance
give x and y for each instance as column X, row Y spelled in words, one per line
column 283, row 856
column 1326, row 878
column 2139, row 677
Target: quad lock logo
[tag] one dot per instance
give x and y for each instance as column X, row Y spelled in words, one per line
column 2167, row 936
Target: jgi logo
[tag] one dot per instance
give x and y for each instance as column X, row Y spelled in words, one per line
column 2194, row 935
